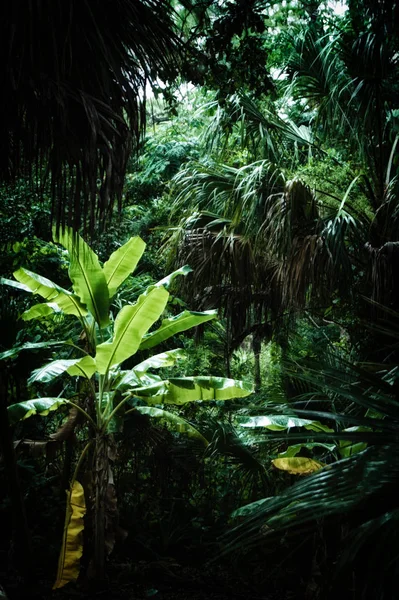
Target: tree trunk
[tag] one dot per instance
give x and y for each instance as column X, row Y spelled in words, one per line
column 257, row 347
column 101, row 484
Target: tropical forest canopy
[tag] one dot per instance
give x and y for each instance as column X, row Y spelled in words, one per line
column 200, row 298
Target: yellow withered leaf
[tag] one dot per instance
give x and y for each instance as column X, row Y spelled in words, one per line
column 72, row 539
column 297, row 465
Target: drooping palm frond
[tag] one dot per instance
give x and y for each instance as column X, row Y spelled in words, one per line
column 335, row 489
column 251, row 471
column 238, row 194
column 316, row 74
column 349, row 80
column 226, row 273
column 263, row 131
column 293, row 249
column 73, row 91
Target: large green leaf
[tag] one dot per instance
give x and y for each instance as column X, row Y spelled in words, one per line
column 190, row 389
column 296, row 448
column 122, row 262
column 28, row 346
column 131, row 324
column 172, row 325
column 38, row 311
column 39, row 406
column 179, row 424
column 282, row 422
column 348, row 447
column 129, row 379
column 158, row 361
column 87, row 276
column 84, row 366
column 69, row 303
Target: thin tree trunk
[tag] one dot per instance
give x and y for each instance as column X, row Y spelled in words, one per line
column 23, row 541
column 101, row 483
column 257, row 347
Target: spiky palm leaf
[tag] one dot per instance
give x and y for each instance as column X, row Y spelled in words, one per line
column 226, row 442
column 365, row 409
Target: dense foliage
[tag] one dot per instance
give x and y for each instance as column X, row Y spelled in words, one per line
column 260, row 459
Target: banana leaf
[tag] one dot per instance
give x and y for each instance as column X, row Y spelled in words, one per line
column 128, row 379
column 87, row 276
column 84, row 366
column 281, row 423
column 39, row 406
column 172, row 325
column 131, row 324
column 166, row 281
column 39, row 311
column 191, row 389
column 179, row 424
column 15, row 284
column 69, row 303
column 122, row 263
column 295, row 448
column 28, row 346
column 158, row 361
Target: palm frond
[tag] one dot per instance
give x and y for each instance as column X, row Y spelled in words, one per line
column 240, row 455
column 73, row 94
column 333, row 490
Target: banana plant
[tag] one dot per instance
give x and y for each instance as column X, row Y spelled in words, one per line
column 106, row 392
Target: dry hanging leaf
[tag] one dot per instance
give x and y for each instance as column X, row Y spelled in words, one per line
column 72, row 540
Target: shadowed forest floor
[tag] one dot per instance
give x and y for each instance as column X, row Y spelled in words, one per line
column 158, row 581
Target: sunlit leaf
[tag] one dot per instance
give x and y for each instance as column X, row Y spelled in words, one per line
column 129, row 379
column 69, row 303
column 15, row 284
column 74, row 366
column 131, row 324
column 39, row 311
column 172, row 325
column 190, row 389
column 158, row 361
column 282, row 422
column 87, row 276
column 122, row 263
column 166, row 281
column 83, row 367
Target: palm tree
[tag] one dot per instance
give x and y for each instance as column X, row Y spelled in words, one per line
column 319, row 243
